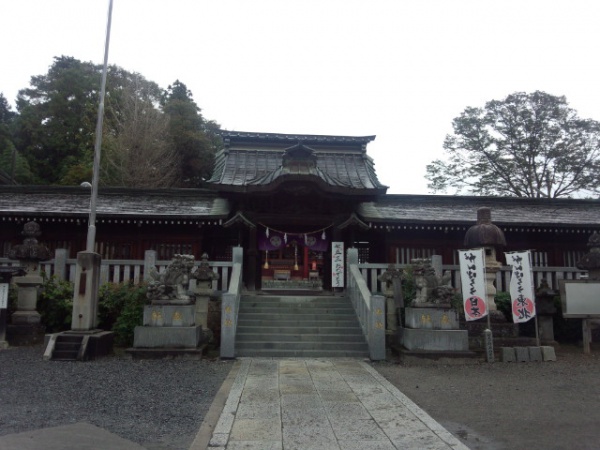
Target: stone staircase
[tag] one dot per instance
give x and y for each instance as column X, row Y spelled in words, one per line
column 298, row 326
column 65, row 347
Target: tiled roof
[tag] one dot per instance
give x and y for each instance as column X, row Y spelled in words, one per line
column 437, row 209
column 75, row 201
column 251, row 160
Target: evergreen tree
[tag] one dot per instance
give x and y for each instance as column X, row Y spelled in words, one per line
column 195, row 140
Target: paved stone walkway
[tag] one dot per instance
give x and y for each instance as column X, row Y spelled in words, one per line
column 322, row 404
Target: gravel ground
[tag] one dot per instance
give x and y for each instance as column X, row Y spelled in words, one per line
column 550, row 405
column 161, row 404
column 158, row 404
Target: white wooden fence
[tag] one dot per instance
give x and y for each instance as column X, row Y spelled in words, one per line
column 122, row 270
column 371, row 272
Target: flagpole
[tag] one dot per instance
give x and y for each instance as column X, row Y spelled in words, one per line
column 535, row 318
column 91, row 236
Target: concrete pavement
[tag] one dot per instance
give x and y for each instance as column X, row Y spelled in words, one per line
column 305, row 404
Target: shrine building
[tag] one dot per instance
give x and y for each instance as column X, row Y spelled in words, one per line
column 285, row 198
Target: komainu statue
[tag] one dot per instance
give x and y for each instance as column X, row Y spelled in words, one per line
column 172, row 286
column 430, row 288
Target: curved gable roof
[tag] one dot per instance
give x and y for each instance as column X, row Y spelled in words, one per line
column 259, row 162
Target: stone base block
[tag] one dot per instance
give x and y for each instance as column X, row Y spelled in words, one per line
column 441, row 340
column 522, row 354
column 535, row 354
column 25, row 334
column 431, row 318
column 167, row 337
column 169, row 315
column 507, row 354
column 548, row 353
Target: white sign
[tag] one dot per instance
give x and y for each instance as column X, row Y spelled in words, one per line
column 580, row 298
column 472, row 275
column 521, row 286
column 337, row 264
column 3, row 295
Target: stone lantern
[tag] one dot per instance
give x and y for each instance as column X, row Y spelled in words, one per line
column 487, row 235
column 26, row 325
column 204, row 276
column 591, row 260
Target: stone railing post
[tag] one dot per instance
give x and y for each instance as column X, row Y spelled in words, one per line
column 237, row 255
column 60, row 263
column 377, row 328
column 228, row 312
column 149, row 262
column 352, row 256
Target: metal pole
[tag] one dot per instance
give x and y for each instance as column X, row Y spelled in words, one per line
column 91, row 237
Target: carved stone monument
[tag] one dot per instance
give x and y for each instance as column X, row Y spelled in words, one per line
column 392, row 289
column 26, row 327
column 172, row 320
column 431, row 323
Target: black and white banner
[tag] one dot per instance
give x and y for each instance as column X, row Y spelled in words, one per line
column 472, row 275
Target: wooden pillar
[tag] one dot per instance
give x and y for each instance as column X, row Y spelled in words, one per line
column 252, row 262
column 305, row 263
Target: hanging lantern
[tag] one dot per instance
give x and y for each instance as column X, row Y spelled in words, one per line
column 266, row 266
column 285, row 238
column 267, row 231
column 323, row 235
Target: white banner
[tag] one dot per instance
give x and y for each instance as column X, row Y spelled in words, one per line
column 521, row 286
column 337, row 264
column 3, row 295
column 472, row 275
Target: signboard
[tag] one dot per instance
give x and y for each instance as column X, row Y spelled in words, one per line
column 472, row 275
column 580, row 298
column 3, row 295
column 521, row 286
column 337, row 264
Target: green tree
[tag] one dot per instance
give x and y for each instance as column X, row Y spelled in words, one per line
column 527, row 145
column 13, row 167
column 57, row 117
column 195, row 139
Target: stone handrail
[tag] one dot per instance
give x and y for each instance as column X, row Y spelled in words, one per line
column 230, row 307
column 369, row 308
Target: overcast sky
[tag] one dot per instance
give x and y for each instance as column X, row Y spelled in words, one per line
column 400, row 70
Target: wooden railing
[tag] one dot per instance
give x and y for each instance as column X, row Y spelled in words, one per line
column 370, row 309
column 552, row 275
column 122, row 270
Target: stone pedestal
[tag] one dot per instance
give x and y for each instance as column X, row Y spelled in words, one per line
column 26, row 327
column 85, row 297
column 168, row 326
column 434, row 329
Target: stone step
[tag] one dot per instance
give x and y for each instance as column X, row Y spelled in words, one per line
column 320, row 322
column 309, row 330
column 294, row 315
column 323, row 309
column 66, row 347
column 263, row 345
column 290, row 353
column 299, row 326
column 299, row 337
